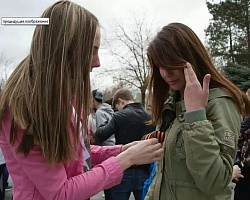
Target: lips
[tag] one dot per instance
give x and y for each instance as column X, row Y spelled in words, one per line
column 172, row 82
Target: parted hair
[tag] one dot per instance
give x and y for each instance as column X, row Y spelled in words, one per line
column 123, row 94
column 41, row 91
column 173, row 46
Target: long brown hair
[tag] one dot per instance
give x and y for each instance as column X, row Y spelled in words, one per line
column 175, row 45
column 54, row 76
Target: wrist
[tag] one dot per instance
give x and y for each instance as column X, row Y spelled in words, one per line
column 125, row 159
column 193, row 116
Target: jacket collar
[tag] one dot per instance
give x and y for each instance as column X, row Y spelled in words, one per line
column 135, row 104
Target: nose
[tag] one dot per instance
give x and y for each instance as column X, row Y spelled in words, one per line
column 95, row 62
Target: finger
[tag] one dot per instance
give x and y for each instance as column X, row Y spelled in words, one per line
column 153, row 141
column 191, row 73
column 206, row 82
column 186, row 75
column 156, row 147
column 159, row 152
column 156, row 159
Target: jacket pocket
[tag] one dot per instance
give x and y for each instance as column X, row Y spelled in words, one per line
column 179, row 145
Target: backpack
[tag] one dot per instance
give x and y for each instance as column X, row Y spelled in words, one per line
column 148, row 182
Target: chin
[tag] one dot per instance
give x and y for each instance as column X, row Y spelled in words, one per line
column 175, row 88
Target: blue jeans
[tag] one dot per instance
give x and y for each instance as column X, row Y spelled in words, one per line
column 2, row 189
column 132, row 181
column 5, row 177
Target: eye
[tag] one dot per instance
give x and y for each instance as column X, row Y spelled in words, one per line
column 95, row 50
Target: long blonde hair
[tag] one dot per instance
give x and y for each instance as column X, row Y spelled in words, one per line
column 55, row 75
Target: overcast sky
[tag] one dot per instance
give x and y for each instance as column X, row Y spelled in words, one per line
column 15, row 40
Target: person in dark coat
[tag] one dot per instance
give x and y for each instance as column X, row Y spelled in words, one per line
column 242, row 189
column 128, row 124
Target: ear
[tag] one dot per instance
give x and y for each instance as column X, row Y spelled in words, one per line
column 120, row 100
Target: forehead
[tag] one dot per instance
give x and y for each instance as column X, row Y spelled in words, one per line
column 97, row 37
column 172, row 67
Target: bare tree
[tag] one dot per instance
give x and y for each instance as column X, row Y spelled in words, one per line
column 128, row 46
column 109, row 92
column 4, row 65
column 2, row 82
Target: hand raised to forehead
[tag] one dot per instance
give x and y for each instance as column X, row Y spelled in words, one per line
column 195, row 97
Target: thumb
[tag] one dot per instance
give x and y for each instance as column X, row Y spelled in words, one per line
column 206, row 82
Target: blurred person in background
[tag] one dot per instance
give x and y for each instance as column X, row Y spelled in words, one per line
column 128, row 124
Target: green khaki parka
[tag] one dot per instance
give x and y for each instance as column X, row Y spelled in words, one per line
column 199, row 151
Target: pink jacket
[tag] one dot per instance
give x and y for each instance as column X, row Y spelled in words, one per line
column 34, row 179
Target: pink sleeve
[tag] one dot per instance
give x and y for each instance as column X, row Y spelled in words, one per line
column 83, row 186
column 101, row 153
column 52, row 182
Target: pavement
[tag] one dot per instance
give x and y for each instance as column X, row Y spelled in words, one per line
column 8, row 194
column 99, row 197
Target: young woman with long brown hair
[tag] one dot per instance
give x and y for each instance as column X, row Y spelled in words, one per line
column 43, row 112
column 200, row 112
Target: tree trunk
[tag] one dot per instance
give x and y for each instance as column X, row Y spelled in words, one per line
column 231, row 42
column 143, row 97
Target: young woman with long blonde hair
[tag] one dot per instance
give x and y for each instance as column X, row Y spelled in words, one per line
column 43, row 115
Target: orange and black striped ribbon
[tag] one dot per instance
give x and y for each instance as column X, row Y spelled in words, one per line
column 155, row 134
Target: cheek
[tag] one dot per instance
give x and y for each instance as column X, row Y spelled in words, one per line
column 94, row 59
column 180, row 74
column 183, row 80
column 162, row 73
column 119, row 107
